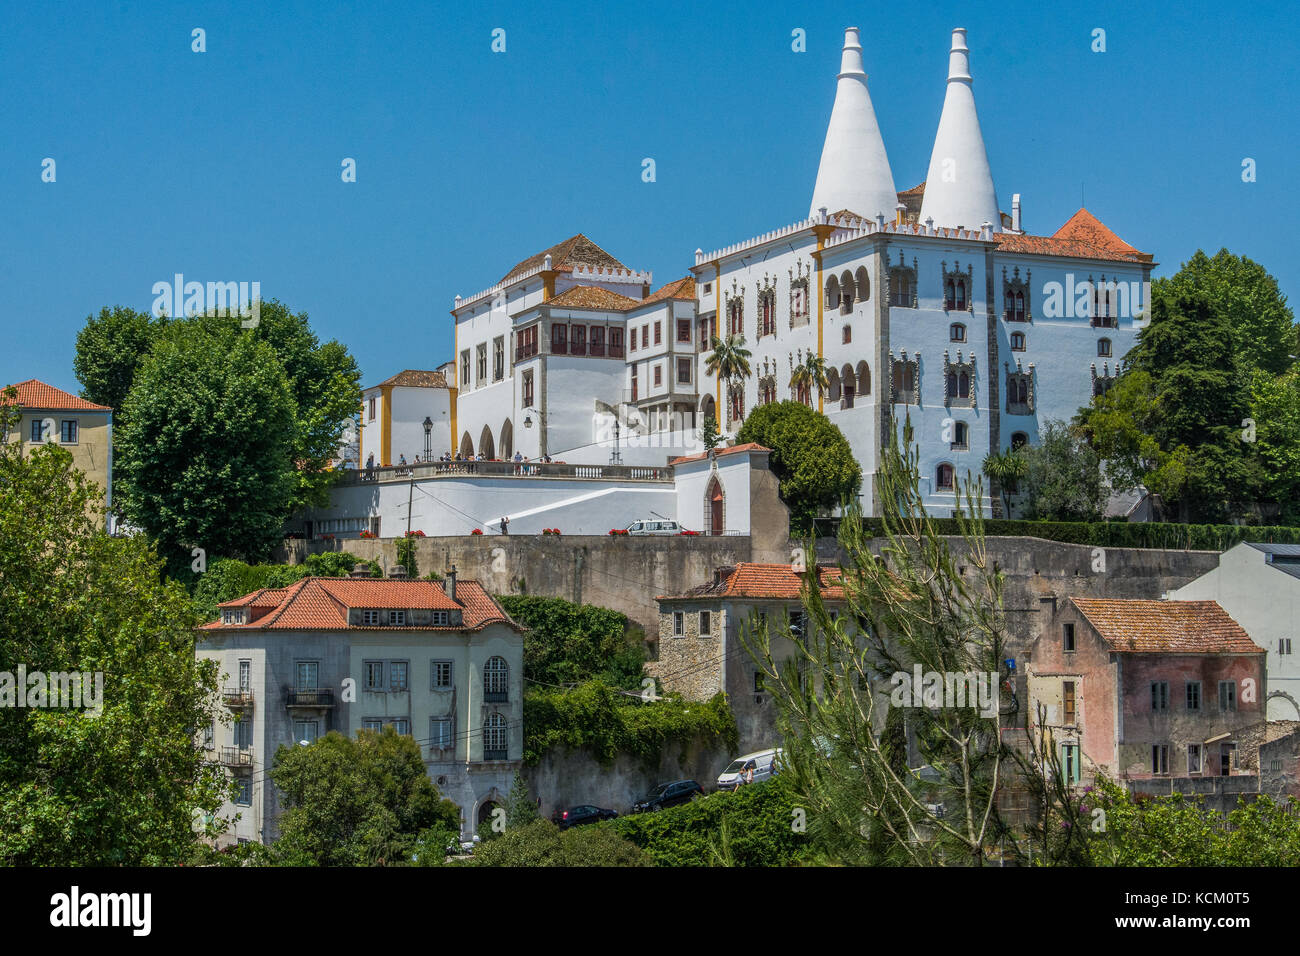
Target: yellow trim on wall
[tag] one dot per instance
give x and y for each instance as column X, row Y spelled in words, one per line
column 386, row 428
column 455, row 388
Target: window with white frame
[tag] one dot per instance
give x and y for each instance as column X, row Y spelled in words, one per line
column 305, row 731
column 370, row 618
column 706, row 622
column 308, row 673
column 679, row 623
column 441, row 736
column 244, row 795
column 1193, row 758
column 397, row 618
column 372, row 673
column 496, row 677
column 442, row 671
column 440, row 619
column 1160, row 758
column 397, row 676
column 494, row 737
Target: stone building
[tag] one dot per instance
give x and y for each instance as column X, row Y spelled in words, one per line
column 701, row 652
column 443, row 663
column 1160, row 694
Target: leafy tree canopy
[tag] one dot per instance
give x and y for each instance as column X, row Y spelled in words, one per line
column 1062, row 476
column 569, row 642
column 810, row 456
column 542, row 843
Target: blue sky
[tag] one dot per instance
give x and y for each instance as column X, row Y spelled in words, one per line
column 225, row 165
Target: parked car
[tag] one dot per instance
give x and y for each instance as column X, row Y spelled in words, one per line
column 575, row 816
column 761, row 764
column 668, row 795
column 654, row 526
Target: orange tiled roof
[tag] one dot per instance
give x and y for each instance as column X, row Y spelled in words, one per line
column 772, row 581
column 592, row 297
column 1082, row 237
column 747, row 446
column 575, row 251
column 677, row 289
column 321, row 604
column 1166, row 627
column 36, row 394
column 415, row 378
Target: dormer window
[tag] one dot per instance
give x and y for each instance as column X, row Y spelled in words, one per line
column 440, row 619
column 397, row 617
column 233, row 617
column 370, row 618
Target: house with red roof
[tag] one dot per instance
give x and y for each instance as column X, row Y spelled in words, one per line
column 49, row 415
column 1164, row 695
column 700, row 651
column 441, row 662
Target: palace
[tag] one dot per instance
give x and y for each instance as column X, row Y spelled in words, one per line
column 928, row 304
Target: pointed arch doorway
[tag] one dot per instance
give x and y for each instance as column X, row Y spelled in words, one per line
column 713, row 505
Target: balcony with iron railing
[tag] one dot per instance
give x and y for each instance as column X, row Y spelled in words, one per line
column 496, row 696
column 495, row 755
column 237, row 698
column 237, row 758
column 314, row 699
column 459, row 469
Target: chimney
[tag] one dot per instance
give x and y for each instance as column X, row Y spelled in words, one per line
column 361, row 571
column 397, row 572
column 1015, row 213
column 449, row 582
column 902, row 214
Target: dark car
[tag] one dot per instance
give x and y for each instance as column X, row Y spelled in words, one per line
column 668, row 795
column 574, row 816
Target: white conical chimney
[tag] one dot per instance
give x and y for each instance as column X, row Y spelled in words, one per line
column 854, row 173
column 959, row 188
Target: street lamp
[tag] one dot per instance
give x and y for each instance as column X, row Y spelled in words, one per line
column 428, row 439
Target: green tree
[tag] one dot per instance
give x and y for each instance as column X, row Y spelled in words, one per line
column 569, row 643
column 810, row 456
column 811, row 374
column 1243, row 294
column 729, row 362
column 709, row 435
column 205, row 458
column 406, row 557
column 1275, row 410
column 109, row 348
column 363, row 801
column 542, row 843
column 1062, row 476
column 123, row 788
column 1006, row 469
column 521, row 809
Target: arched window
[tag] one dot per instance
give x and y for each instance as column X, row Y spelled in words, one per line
column 833, row 385
column 848, row 386
column 862, row 283
column 960, row 435
column 1103, row 348
column 958, row 384
column 846, row 293
column 956, row 332
column 864, row 378
column 961, row 295
column 943, row 477
column 496, row 680
column 1019, row 440
column 495, row 743
column 832, row 293
column 1017, row 341
column 950, row 295
column 846, row 335
column 1018, row 312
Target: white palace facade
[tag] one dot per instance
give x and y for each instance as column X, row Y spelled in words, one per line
column 930, row 303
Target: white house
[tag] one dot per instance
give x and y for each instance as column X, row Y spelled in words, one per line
column 408, row 415
column 1259, row 586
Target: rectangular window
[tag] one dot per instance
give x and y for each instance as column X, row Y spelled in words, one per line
column 679, row 623
column 1160, row 758
column 1193, row 758
column 38, row 431
column 68, row 431
column 440, row 735
column 244, row 796
column 482, row 363
column 645, row 336
column 597, row 340
column 464, row 377
column 1067, row 700
column 658, row 333
column 706, row 622
column 1067, row 634
column 683, row 371
column 1193, row 695
column 634, row 383
column 498, row 358
column 659, row 375
column 373, row 723
column 245, row 677
column 210, row 736
column 615, row 343
column 526, row 343
column 683, row 330
column 631, row 341
column 308, row 675
column 577, row 340
column 370, row 618
column 402, row 726
column 528, row 390
column 305, row 730
column 441, row 675
column 397, row 618
column 1227, row 695
column 440, row 619
column 242, row 732
column 1284, row 645
column 1160, row 695
column 372, row 409
column 397, row 673
column 1070, row 767
column 373, row 675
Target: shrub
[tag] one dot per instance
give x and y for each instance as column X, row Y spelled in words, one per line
column 542, row 843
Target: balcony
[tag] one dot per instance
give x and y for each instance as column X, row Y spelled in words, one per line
column 237, row 698
column 495, row 755
column 597, row 349
column 615, row 351
column 236, row 757
column 496, row 697
column 311, row 699
column 559, row 348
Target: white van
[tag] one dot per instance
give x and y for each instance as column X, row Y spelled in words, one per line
column 654, row 526
column 751, row 768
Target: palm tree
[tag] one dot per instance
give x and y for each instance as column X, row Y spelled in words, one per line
column 811, row 374
column 729, row 361
column 1006, row 468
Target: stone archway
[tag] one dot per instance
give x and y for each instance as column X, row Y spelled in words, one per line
column 715, row 516
column 486, row 447
column 507, row 440
column 1288, row 698
column 466, row 446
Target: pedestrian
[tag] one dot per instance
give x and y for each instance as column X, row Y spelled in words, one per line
column 370, row 467
column 505, row 525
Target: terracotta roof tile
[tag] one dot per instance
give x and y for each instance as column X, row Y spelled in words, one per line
column 322, row 604
column 36, row 394
column 415, row 378
column 575, row 251
column 1166, row 627
column 774, row 581
column 1082, row 237
column 677, row 289
column 593, row 297
column 734, row 449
